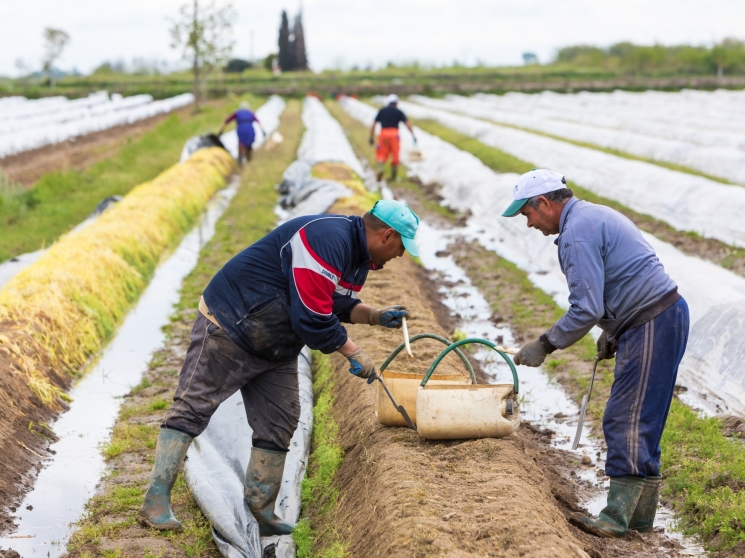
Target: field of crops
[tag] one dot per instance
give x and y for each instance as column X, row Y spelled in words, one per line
column 88, row 311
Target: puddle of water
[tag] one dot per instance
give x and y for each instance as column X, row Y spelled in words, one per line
column 69, row 480
column 542, row 401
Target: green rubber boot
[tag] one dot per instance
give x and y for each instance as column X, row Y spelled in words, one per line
column 263, row 479
column 646, row 507
column 613, row 521
column 156, row 511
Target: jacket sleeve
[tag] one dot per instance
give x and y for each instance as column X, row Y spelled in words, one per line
column 317, row 260
column 582, row 263
column 230, row 118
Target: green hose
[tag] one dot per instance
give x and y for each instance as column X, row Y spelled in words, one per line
column 419, row 336
column 454, row 347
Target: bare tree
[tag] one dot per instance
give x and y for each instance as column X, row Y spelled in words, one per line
column 203, row 33
column 55, row 40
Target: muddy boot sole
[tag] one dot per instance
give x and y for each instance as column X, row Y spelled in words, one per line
column 585, row 523
column 145, row 521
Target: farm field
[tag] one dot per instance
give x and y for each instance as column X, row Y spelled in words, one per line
column 130, row 282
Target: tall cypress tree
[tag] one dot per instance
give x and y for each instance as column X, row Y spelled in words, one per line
column 301, row 60
column 286, row 56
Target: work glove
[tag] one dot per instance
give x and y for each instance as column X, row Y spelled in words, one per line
column 361, row 365
column 390, row 316
column 372, row 141
column 414, row 138
column 606, row 349
column 530, row 354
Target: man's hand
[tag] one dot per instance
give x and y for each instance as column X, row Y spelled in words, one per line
column 390, row 316
column 361, row 365
column 530, row 354
column 414, row 138
column 606, row 349
column 372, row 141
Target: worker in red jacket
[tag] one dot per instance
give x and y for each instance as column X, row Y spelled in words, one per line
column 294, row 287
column 244, row 127
column 389, row 140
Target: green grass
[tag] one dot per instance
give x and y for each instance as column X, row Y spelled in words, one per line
column 33, row 218
column 113, row 510
column 316, row 535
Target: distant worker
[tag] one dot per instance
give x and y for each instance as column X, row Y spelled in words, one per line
column 244, row 126
column 294, row 287
column 389, row 117
column 615, row 282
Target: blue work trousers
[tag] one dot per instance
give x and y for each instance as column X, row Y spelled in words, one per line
column 646, row 368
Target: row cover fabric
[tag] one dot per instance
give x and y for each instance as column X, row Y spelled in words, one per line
column 712, row 367
column 59, row 121
column 700, row 117
column 723, row 161
column 217, row 460
column 687, row 202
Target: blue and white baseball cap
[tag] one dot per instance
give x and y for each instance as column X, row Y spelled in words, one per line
column 534, row 183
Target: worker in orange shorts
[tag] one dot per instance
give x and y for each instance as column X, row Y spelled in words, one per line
column 389, row 141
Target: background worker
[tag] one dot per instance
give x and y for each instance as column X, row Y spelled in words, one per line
column 615, row 282
column 244, row 127
column 292, row 288
column 389, row 140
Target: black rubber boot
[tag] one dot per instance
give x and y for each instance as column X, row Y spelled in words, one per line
column 156, row 511
column 263, row 479
column 613, row 521
column 646, row 507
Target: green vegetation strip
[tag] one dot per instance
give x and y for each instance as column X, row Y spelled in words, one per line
column 34, row 217
column 315, row 534
column 109, row 527
column 704, row 470
column 691, row 243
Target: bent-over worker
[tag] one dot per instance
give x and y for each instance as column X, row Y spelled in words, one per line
column 389, row 140
column 244, row 126
column 615, row 282
column 292, row 288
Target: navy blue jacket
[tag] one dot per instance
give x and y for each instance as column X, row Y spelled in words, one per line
column 293, row 287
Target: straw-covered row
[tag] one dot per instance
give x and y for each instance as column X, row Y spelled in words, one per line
column 58, row 313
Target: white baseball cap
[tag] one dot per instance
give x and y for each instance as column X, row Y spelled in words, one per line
column 534, row 183
column 390, row 99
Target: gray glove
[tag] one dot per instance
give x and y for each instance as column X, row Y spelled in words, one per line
column 361, row 365
column 390, row 316
column 530, row 354
column 606, row 349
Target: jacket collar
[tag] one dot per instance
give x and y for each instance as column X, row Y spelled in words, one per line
column 564, row 212
column 361, row 253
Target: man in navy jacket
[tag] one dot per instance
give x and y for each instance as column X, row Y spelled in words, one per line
column 615, row 282
column 294, row 287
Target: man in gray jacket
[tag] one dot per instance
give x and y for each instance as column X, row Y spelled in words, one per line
column 615, row 282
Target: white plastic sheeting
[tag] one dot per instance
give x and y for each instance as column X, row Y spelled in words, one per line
column 324, row 139
column 722, row 157
column 217, row 460
column 685, row 201
column 32, row 124
column 712, row 369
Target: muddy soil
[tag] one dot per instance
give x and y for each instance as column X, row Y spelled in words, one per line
column 76, row 153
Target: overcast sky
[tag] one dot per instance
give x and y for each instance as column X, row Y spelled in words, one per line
column 347, row 32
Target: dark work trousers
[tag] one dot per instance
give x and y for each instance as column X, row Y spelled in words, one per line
column 646, row 368
column 215, row 368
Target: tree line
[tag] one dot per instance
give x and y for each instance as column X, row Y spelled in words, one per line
column 724, row 58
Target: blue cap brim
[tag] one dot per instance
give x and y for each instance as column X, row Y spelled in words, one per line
column 410, row 246
column 514, row 208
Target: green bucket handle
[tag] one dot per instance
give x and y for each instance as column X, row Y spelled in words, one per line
column 419, row 336
column 454, row 347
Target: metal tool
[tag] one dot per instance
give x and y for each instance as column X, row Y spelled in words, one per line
column 583, row 408
column 399, row 408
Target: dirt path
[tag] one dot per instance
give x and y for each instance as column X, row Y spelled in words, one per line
column 76, row 153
